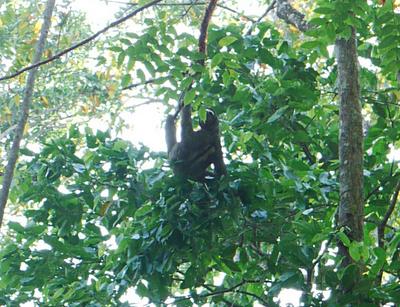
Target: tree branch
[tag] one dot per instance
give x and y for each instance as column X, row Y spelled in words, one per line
column 133, row 85
column 219, row 292
column 202, row 47
column 7, row 131
column 82, row 42
column 259, row 298
column 310, row 271
column 190, row 4
column 385, row 219
column 233, row 289
column 286, row 12
column 369, row 220
column 19, row 130
column 269, row 8
column 376, row 189
column 383, row 225
column 235, row 12
column 204, row 29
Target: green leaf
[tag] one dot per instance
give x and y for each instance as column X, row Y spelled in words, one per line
column 278, row 114
column 245, row 137
column 266, row 57
column 189, row 96
column 121, row 58
column 141, row 75
column 116, row 49
column 16, row 227
column 354, row 251
column 202, row 113
column 58, row 293
column 126, row 80
column 390, row 41
column 186, row 82
column 143, row 210
column 216, row 60
column 324, row 10
column 131, row 63
column 311, row 44
column 227, row 40
column 26, row 152
column 344, row 238
column 350, row 276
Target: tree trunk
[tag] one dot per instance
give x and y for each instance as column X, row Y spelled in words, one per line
column 351, row 207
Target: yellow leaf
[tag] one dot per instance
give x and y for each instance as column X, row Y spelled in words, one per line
column 111, row 89
column 7, row 110
column 107, row 75
column 6, row 114
column 26, row 128
column 104, row 207
column 397, row 94
column 85, row 109
column 45, row 101
column 21, row 79
column 17, row 99
column 37, row 27
column 293, row 29
column 22, row 25
column 48, row 53
column 96, row 101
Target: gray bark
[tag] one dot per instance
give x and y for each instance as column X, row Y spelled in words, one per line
column 351, row 207
column 286, row 12
column 24, row 112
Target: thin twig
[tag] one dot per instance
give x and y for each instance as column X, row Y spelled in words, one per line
column 233, row 289
column 376, row 189
column 368, row 220
column 188, row 4
column 133, row 85
column 223, row 299
column 187, row 10
column 7, row 131
column 269, row 8
column 215, row 293
column 388, row 214
column 383, row 224
column 145, row 103
column 259, row 298
column 236, row 12
column 82, row 42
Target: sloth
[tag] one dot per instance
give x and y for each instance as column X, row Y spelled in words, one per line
column 193, row 155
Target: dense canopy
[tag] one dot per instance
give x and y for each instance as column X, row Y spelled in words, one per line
column 308, row 99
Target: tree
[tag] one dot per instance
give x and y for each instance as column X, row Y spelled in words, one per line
column 19, row 130
column 290, row 212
